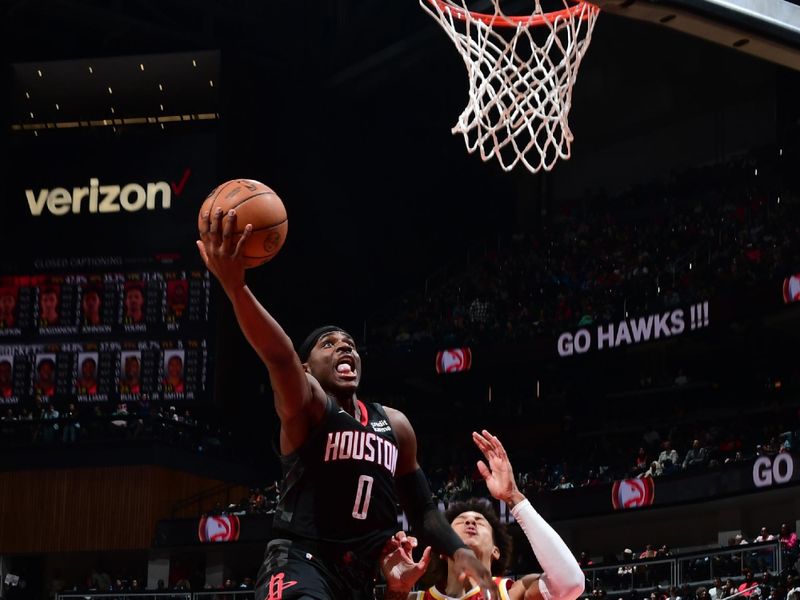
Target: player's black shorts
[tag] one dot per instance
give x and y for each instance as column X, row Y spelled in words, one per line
column 291, row 571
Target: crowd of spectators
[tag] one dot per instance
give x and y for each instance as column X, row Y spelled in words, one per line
column 100, row 582
column 585, row 458
column 652, row 248
column 48, row 424
column 724, row 571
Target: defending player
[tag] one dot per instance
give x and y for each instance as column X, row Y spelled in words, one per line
column 479, row 527
column 342, row 458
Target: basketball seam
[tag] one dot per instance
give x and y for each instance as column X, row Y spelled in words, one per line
column 214, row 201
column 235, row 206
column 269, row 226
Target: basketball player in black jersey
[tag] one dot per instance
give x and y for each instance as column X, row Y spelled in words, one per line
column 345, row 462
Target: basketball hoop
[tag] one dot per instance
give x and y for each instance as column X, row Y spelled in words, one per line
column 521, row 71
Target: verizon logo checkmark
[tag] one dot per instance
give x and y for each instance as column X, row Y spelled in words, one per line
column 177, row 188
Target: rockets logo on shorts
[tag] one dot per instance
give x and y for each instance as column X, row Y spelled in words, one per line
column 277, row 586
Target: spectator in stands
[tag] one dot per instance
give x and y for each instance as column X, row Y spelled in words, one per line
column 564, row 483
column 697, row 456
column 668, row 458
column 701, row 593
column 50, row 429
column 71, row 424
column 739, row 540
column 792, row 588
column 591, row 479
column 8, row 430
column 716, row 591
column 585, row 560
column 640, row 463
column 655, row 470
column 672, row 594
column 763, row 536
column 788, row 539
column 120, row 417
column 749, row 584
column 648, row 552
column 626, row 569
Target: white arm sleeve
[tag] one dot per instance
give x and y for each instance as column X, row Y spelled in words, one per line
column 562, row 578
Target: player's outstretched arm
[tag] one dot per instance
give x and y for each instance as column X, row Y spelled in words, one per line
column 224, row 259
column 424, row 516
column 562, row 578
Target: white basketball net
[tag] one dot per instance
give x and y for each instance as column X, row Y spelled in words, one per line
column 520, row 79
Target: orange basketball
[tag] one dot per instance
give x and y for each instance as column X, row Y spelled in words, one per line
column 255, row 204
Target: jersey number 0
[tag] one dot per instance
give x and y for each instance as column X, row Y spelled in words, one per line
column 363, row 495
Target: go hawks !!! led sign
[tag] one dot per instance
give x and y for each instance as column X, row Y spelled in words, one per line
column 634, row 331
column 96, row 198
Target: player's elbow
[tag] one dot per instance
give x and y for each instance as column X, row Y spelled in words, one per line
column 568, row 587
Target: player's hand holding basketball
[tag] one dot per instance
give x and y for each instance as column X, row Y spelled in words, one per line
column 221, row 249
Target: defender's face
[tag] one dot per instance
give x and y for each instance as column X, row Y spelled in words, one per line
column 475, row 531
column 335, row 363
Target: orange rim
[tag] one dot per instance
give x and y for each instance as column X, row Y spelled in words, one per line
column 513, row 21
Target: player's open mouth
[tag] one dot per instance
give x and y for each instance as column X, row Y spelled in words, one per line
column 346, row 368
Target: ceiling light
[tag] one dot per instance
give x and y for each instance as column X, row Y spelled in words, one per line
column 57, row 107
column 39, row 71
column 194, row 62
column 110, row 90
column 211, row 82
column 90, row 70
column 141, row 67
column 160, row 87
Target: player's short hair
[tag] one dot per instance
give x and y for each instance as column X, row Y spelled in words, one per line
column 304, row 349
column 500, row 535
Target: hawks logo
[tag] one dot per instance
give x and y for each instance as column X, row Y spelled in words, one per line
column 633, row 493
column 218, row 528
column 453, row 360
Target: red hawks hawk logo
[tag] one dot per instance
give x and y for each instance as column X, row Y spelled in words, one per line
column 218, row 528
column 633, row 493
column 453, row 360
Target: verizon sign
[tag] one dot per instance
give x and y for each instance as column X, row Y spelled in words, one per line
column 96, row 198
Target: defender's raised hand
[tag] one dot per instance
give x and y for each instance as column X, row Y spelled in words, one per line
column 498, row 475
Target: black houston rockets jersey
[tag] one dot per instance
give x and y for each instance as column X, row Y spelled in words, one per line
column 338, row 487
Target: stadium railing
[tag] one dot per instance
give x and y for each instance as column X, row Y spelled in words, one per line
column 692, row 568
column 144, row 595
column 167, row 595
